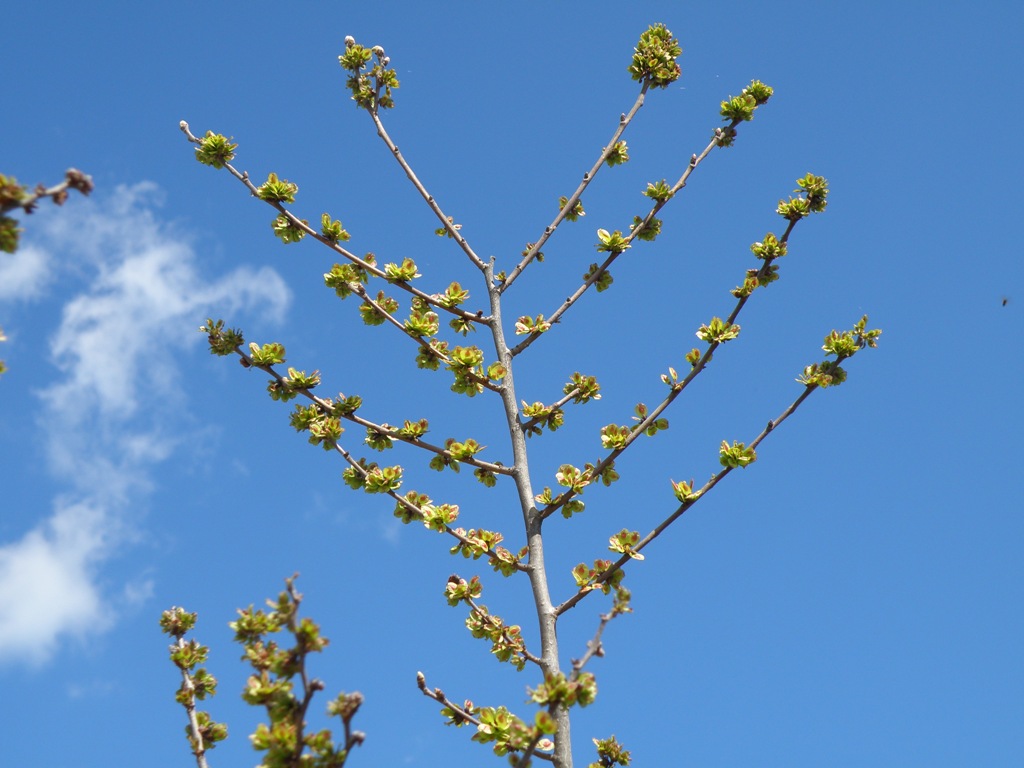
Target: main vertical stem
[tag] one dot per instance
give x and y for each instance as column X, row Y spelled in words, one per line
column 546, row 618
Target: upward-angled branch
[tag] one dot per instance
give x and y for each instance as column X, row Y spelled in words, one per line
column 624, row 120
column 446, row 221
column 595, row 275
column 212, row 139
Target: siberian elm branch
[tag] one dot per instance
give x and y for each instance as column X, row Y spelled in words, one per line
column 326, row 409
column 697, row 496
column 554, row 407
column 415, row 510
column 695, row 160
column 195, row 733
column 676, row 390
column 429, row 198
column 624, row 121
column 73, row 179
column 243, row 176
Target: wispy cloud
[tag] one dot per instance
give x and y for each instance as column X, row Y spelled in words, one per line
column 118, row 349
column 23, row 273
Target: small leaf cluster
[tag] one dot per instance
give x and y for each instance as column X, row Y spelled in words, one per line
column 375, row 311
column 422, row 321
column 403, row 272
column 768, row 249
column 624, row 542
column 739, row 109
column 718, row 331
column 527, row 325
column 593, row 577
column 223, row 341
column 603, row 281
column 647, row 232
column 612, row 242
column 617, row 155
column 582, row 388
column 842, row 345
column 347, row 279
column 812, row 200
column 557, row 689
column 275, row 190
column 450, row 230
column 614, row 436
column 684, row 491
column 478, row 542
column 287, row 231
column 610, row 753
column 541, row 416
column 215, row 150
column 372, row 478
column 466, row 363
column 324, row 429
column 539, row 256
column 288, row 387
column 654, row 58
column 332, row 230
column 575, row 213
column 508, row 732
column 569, row 505
column 655, row 426
column 268, row 354
column 736, row 455
column 453, row 296
column 370, row 89
column 660, row 192
column 455, row 452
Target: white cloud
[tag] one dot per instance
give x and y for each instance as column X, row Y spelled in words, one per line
column 119, row 347
column 47, row 583
column 23, row 273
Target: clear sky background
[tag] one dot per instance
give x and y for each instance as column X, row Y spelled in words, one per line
column 855, row 598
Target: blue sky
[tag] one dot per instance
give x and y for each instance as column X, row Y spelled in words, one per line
column 854, row 598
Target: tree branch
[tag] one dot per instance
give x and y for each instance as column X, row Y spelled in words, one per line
column 683, row 507
column 243, row 176
column 429, row 198
column 531, row 254
column 695, row 160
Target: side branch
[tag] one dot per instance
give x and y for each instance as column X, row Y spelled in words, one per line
column 417, row 513
column 695, row 160
column 676, row 390
column 360, row 291
column 325, row 408
column 660, row 528
column 243, row 176
column 463, row 715
column 445, row 222
column 624, row 121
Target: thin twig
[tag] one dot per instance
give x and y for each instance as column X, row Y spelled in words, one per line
column 325, row 407
column 429, row 198
column 594, row 647
column 695, row 160
column 624, row 120
column 463, row 715
column 243, row 176
column 683, row 507
column 190, row 708
column 675, row 392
